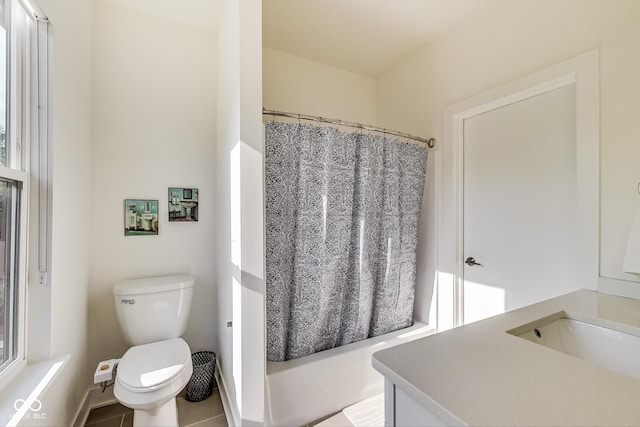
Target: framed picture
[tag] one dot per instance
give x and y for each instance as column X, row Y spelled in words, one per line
column 183, row 204
column 140, row 217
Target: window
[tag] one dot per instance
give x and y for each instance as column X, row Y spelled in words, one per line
column 19, row 125
column 10, row 192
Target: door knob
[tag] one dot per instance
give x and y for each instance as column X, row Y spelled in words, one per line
column 470, row 261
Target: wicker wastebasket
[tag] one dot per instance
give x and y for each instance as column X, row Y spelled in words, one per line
column 200, row 385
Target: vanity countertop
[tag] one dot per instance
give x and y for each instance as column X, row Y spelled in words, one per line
column 480, row 375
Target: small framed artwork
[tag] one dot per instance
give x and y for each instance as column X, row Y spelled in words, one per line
column 140, row 217
column 183, row 204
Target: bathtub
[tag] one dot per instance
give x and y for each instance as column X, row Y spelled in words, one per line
column 306, row 389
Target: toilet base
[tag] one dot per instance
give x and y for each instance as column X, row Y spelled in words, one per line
column 165, row 416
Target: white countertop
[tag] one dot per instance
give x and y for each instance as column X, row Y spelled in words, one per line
column 480, row 375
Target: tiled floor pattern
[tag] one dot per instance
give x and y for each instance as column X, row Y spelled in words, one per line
column 206, row 413
column 368, row 413
column 210, row 413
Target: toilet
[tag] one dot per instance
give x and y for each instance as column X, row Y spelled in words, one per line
column 153, row 314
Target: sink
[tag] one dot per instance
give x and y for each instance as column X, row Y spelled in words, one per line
column 609, row 345
column 187, row 208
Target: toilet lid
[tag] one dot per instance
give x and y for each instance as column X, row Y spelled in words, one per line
column 148, row 366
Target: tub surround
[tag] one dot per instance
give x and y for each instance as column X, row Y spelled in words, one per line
column 479, row 374
column 331, row 379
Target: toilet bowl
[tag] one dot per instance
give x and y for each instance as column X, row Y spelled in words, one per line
column 149, row 378
column 153, row 314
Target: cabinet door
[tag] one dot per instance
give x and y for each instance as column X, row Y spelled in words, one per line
column 389, row 403
column 409, row 413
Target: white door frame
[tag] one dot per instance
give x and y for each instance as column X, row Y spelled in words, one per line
column 583, row 71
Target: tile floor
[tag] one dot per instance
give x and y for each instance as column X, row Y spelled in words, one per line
column 367, row 413
column 206, row 413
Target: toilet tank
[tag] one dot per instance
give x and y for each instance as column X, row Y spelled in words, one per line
column 153, row 309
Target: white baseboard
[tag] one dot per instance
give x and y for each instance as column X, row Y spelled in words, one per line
column 82, row 412
column 93, row 398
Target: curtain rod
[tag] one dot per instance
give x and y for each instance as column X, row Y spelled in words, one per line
column 431, row 142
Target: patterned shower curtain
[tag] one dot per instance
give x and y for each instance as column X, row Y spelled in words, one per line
column 342, row 211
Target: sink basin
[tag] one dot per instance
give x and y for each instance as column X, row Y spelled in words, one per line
column 606, row 344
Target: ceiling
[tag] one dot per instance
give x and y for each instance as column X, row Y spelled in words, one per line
column 363, row 36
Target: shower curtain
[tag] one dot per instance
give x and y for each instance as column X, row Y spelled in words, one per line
column 342, row 211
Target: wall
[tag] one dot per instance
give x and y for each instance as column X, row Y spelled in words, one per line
column 509, row 40
column 153, row 127
column 71, row 132
column 239, row 195
column 227, row 133
column 299, row 85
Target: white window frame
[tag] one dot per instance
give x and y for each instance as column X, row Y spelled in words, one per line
column 10, row 368
column 26, row 115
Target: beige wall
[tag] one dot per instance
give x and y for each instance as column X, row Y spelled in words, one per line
column 511, row 39
column 152, row 121
column 299, row 85
column 153, row 127
column 227, row 135
column 240, row 271
column 70, row 123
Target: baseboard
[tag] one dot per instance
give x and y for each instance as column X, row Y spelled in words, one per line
column 233, row 417
column 93, row 398
column 83, row 410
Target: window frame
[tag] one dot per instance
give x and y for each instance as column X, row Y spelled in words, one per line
column 23, row 130
column 19, row 270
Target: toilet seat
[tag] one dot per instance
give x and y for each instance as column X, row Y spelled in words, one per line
column 148, row 367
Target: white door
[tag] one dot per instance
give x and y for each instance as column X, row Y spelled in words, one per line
column 519, row 206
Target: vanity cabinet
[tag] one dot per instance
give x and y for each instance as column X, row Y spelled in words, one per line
column 402, row 410
column 486, row 374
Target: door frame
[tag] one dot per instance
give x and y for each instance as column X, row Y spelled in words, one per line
column 583, row 71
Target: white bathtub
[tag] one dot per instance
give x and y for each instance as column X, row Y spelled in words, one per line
column 306, row 389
